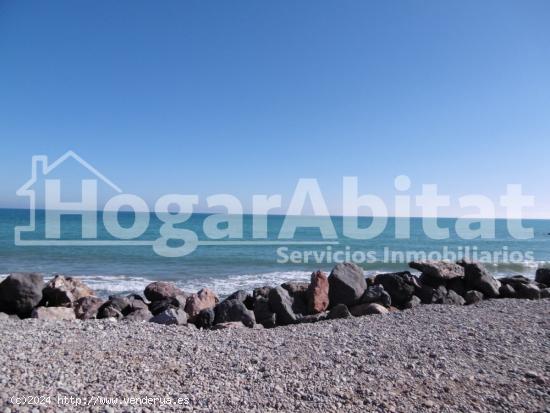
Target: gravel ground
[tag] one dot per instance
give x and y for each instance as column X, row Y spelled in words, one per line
column 490, row 357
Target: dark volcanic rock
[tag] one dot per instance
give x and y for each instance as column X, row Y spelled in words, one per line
column 545, row 293
column 523, row 287
column 476, row 277
column 170, row 317
column 86, row 308
column 63, row 291
column 157, row 307
column 412, row 303
column 116, row 306
column 109, row 312
column 298, row 293
column 376, row 294
column 281, row 303
column 426, row 293
column 339, row 311
column 514, row 280
column 543, row 276
column 317, row 293
column 244, row 297
column 527, row 291
column 20, row 293
column 261, row 292
column 295, row 287
column 137, row 302
column 507, row 291
column 239, row 295
column 458, row 285
column 427, row 280
column 449, row 297
column 140, row 314
column 205, row 318
column 233, row 310
column 438, row 269
column 400, row 286
column 346, row 284
column 473, row 296
column 161, row 290
column 263, row 313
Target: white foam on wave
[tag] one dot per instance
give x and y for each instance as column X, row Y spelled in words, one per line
column 117, row 284
column 114, row 284
column 232, row 283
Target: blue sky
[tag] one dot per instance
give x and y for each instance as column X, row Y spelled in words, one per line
column 247, row 97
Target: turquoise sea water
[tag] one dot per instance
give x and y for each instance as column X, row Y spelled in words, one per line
column 225, row 268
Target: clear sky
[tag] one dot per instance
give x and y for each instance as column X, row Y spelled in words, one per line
column 246, row 97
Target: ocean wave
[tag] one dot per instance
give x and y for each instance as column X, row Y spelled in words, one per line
column 106, row 285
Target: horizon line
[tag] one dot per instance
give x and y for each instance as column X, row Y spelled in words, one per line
column 69, row 212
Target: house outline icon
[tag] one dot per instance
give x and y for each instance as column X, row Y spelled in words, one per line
column 42, row 160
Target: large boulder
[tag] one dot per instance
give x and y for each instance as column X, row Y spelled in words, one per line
column 518, row 286
column 205, row 318
column 376, row 294
column 543, row 276
column 116, row 306
column 458, row 285
column 346, row 284
column 507, row 291
column 172, row 316
column 137, row 302
column 528, row 291
column 438, row 270
column 298, row 291
column 261, row 292
column 263, row 313
column 157, row 307
column 368, row 309
column 476, row 277
column 205, row 298
column 63, row 291
column 20, row 293
column 53, row 313
column 86, row 308
column 281, row 303
column 161, row 290
column 233, row 310
column 400, row 286
column 244, row 297
column 140, row 315
column 317, row 293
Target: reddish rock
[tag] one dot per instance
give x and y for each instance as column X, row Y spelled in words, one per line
column 317, row 293
column 161, row 290
column 205, row 298
column 64, row 291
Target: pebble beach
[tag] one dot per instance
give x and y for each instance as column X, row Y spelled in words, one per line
column 493, row 356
